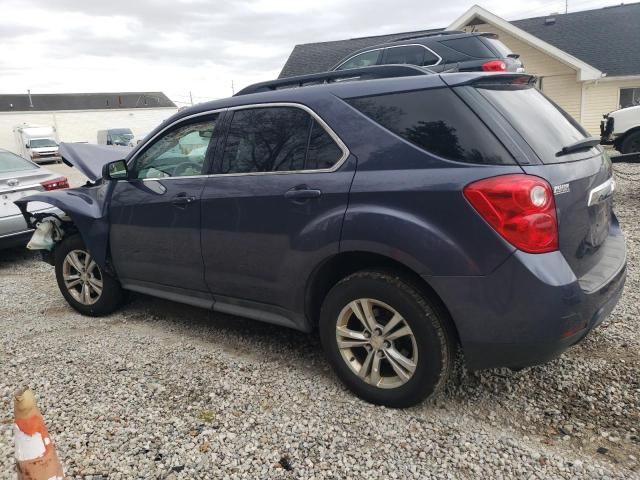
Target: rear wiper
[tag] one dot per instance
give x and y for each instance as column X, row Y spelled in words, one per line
column 584, row 144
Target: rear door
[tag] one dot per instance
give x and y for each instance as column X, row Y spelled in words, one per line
column 590, row 238
column 155, row 215
column 275, row 205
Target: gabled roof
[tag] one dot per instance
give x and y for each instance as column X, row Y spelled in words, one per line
column 594, row 42
column 19, row 102
column 607, row 38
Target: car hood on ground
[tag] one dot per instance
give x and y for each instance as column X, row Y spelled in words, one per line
column 89, row 158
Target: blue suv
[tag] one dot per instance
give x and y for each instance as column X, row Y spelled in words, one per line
column 401, row 217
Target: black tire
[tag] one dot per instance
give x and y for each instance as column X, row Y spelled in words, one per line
column 631, row 144
column 111, row 295
column 431, row 329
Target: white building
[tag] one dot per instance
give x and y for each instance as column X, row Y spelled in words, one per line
column 77, row 117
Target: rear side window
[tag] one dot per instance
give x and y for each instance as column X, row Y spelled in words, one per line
column 543, row 125
column 437, row 121
column 470, row 46
column 277, row 139
column 412, row 55
column 498, row 46
column 362, row 60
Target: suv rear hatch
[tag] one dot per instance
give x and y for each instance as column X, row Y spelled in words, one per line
column 580, row 174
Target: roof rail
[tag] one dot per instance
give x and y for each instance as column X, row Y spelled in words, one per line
column 366, row 73
column 433, row 34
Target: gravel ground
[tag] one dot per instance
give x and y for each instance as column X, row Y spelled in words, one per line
column 166, row 391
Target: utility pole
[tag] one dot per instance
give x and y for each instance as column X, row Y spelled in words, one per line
column 30, row 100
column 233, row 90
column 191, row 97
column 566, row 6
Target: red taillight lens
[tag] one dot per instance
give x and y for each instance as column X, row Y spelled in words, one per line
column 55, row 184
column 519, row 207
column 494, row 66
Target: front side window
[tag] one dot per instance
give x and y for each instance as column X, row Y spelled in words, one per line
column 277, row 139
column 411, row 55
column 437, row 121
column 178, row 153
column 629, row 97
column 362, row 60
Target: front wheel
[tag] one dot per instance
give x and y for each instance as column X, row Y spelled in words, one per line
column 82, row 282
column 386, row 340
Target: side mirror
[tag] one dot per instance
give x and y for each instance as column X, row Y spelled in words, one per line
column 26, row 145
column 115, row 170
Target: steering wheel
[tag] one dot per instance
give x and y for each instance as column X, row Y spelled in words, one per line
column 181, row 167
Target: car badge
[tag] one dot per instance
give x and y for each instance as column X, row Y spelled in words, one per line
column 13, row 182
column 560, row 189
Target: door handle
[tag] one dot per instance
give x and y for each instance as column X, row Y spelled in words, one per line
column 302, row 193
column 182, row 200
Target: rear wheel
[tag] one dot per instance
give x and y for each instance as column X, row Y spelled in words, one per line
column 385, row 339
column 82, row 282
column 631, row 144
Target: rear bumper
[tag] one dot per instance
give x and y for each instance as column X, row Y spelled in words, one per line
column 527, row 312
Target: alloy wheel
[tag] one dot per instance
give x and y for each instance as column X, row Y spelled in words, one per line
column 82, row 277
column 377, row 343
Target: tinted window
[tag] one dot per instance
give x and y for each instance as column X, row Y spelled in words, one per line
column 13, row 163
column 266, row 140
column 323, row 151
column 411, row 54
column 470, row 46
column 277, row 139
column 438, row 121
column 498, row 46
column 178, row 153
column 365, row 59
column 542, row 124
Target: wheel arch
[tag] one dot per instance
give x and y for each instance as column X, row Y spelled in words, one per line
column 339, row 266
column 620, row 140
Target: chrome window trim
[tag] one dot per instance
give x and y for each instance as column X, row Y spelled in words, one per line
column 314, row 115
column 396, row 46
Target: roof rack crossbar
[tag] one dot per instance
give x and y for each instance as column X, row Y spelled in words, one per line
column 366, row 73
column 432, row 34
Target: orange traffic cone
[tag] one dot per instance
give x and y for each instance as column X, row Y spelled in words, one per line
column 36, row 458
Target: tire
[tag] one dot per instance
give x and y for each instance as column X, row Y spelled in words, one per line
column 72, row 251
column 427, row 347
column 631, row 144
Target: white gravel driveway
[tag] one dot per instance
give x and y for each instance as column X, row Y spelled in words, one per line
column 163, row 391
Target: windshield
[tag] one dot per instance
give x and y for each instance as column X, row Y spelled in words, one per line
column 542, row 124
column 13, row 163
column 121, row 136
column 42, row 142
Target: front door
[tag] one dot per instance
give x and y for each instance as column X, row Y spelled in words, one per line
column 275, row 206
column 155, row 215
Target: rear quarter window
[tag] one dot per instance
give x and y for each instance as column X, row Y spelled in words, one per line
column 438, row 122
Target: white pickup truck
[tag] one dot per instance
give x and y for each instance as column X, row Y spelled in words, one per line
column 621, row 129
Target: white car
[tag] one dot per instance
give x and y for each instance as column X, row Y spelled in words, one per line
column 19, row 178
column 621, row 129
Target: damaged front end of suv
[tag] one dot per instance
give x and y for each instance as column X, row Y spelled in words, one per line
column 84, row 208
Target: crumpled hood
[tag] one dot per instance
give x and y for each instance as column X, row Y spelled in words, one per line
column 89, row 158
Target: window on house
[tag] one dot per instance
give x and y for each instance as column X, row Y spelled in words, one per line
column 629, row 97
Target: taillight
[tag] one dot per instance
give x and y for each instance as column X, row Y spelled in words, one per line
column 519, row 207
column 494, row 66
column 55, row 184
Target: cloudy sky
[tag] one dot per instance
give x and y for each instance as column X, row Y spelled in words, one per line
column 178, row 46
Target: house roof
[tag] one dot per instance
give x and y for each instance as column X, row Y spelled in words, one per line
column 82, row 101
column 605, row 38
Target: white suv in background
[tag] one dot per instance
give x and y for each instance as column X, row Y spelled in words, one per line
column 621, row 128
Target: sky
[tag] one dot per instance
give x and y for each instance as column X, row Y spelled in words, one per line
column 200, row 48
